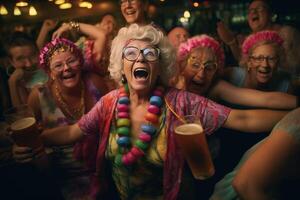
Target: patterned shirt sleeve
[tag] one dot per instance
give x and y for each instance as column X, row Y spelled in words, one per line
column 214, row 116
column 89, row 123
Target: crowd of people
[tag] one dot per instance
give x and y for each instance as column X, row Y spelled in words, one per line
column 106, row 103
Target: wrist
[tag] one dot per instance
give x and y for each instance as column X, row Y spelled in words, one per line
column 74, row 26
column 231, row 42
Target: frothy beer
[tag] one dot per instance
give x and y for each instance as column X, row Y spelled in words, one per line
column 25, row 132
column 192, row 141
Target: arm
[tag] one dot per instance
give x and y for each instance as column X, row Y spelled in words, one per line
column 88, row 124
column 267, row 166
column 18, row 93
column 34, row 103
column 253, row 120
column 254, row 98
column 229, row 39
column 62, row 135
column 87, row 29
column 48, row 25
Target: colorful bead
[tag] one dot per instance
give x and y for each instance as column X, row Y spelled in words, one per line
column 156, row 100
column 123, row 100
column 145, row 137
column 123, row 122
column 143, row 146
column 158, row 93
column 122, row 107
column 123, row 115
column 154, row 109
column 123, row 126
column 151, row 118
column 123, row 130
column 130, row 157
column 123, row 94
column 137, row 152
column 149, row 129
column 123, row 141
column 125, row 160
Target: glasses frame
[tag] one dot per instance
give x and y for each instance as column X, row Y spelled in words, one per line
column 141, row 51
column 202, row 65
column 260, row 59
column 68, row 63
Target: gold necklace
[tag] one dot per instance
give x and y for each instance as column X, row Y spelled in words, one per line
column 73, row 113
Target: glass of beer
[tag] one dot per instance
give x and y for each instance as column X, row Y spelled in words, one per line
column 23, row 126
column 191, row 140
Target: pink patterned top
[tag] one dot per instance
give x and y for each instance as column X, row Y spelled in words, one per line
column 102, row 116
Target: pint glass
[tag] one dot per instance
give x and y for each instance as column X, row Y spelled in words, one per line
column 192, row 142
column 23, row 126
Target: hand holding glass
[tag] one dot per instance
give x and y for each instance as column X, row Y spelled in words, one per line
column 23, row 126
column 191, row 139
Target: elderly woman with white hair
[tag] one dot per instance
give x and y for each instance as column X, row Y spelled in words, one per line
column 135, row 123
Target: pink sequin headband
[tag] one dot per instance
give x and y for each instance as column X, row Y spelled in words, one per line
column 201, row 41
column 59, row 43
column 271, row 36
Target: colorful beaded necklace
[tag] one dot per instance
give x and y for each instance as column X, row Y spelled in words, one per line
column 129, row 156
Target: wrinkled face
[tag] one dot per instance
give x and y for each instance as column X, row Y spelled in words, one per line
column 259, row 16
column 177, row 36
column 25, row 57
column 141, row 65
column 263, row 63
column 65, row 69
column 200, row 71
column 133, row 11
column 108, row 23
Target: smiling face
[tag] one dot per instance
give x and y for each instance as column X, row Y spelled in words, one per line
column 200, row 70
column 24, row 57
column 133, row 11
column 108, row 23
column 263, row 63
column 141, row 74
column 177, row 36
column 65, row 69
column 259, row 16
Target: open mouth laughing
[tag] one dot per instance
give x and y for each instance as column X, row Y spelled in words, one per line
column 141, row 74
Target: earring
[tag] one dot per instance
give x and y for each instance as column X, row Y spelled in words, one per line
column 123, row 80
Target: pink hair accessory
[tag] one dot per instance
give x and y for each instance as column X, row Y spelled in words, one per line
column 254, row 38
column 56, row 44
column 201, row 41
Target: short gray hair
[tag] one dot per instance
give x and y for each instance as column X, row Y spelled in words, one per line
column 147, row 33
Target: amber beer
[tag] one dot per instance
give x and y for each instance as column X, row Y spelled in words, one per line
column 192, row 141
column 25, row 132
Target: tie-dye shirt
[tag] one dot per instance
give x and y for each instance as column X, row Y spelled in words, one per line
column 166, row 173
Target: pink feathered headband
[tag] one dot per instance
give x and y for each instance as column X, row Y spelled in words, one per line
column 271, row 36
column 59, row 43
column 201, row 41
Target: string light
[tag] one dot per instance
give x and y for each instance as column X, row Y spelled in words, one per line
column 3, row 10
column 32, row 11
column 17, row 11
column 21, row 4
column 65, row 6
column 85, row 4
column 58, row 2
